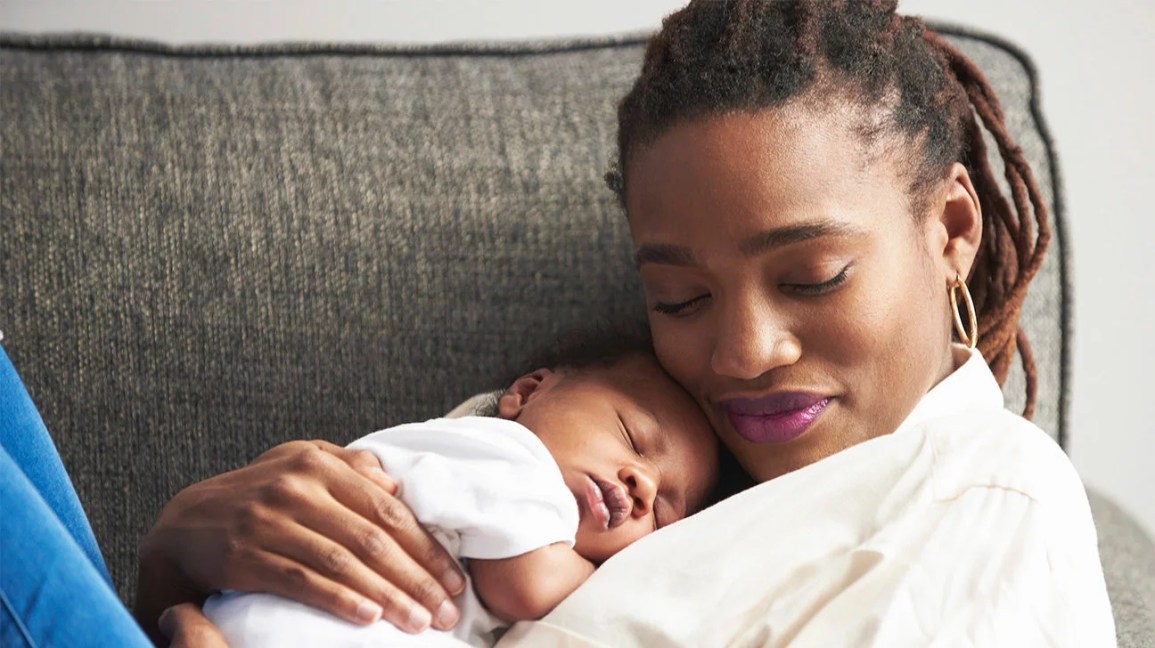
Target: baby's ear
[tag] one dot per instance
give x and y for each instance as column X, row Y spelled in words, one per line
column 513, row 401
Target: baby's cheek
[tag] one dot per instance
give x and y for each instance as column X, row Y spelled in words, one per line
column 590, row 544
column 633, row 531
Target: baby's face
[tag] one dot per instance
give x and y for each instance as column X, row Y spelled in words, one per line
column 632, row 445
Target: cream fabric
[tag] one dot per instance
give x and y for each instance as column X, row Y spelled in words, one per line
column 965, row 527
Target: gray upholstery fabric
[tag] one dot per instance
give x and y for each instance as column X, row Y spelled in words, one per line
column 205, row 252
column 1129, row 566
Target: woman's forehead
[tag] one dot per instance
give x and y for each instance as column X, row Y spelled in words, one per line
column 744, row 174
column 793, row 143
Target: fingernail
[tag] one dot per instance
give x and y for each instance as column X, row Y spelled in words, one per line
column 453, row 582
column 446, row 615
column 368, row 612
column 418, row 618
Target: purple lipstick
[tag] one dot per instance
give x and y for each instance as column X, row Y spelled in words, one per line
column 774, row 418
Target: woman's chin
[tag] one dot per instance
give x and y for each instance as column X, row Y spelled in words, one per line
column 767, row 460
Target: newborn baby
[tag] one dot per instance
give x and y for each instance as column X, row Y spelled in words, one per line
column 572, row 464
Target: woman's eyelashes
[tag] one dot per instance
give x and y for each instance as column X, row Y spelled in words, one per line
column 691, row 306
column 819, row 288
column 680, row 308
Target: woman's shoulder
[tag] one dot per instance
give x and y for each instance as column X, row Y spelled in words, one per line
column 999, row 450
column 1004, row 467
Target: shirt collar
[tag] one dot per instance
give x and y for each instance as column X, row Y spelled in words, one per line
column 971, row 386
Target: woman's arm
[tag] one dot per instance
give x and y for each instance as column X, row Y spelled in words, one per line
column 527, row 587
column 310, row 521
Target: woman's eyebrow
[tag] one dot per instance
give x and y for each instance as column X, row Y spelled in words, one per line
column 664, row 254
column 755, row 245
column 764, row 242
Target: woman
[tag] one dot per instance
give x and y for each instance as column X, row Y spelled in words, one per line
column 807, row 188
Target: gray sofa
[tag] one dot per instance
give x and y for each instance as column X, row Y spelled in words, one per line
column 205, row 251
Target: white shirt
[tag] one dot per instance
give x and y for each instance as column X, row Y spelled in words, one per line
column 484, row 487
column 965, row 527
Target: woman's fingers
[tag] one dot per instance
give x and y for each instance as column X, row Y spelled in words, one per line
column 292, row 576
column 373, row 560
column 438, row 574
column 254, row 569
column 362, row 461
column 381, row 550
column 442, row 577
column 186, row 626
column 307, row 520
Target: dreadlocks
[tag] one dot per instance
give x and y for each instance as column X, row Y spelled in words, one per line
column 719, row 56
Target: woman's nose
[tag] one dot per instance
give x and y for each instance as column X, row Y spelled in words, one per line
column 751, row 340
column 642, row 483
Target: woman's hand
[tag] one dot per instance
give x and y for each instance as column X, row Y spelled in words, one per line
column 307, row 520
column 186, row 626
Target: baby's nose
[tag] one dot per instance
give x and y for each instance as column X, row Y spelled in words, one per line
column 642, row 482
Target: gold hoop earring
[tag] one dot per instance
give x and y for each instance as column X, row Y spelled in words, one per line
column 967, row 335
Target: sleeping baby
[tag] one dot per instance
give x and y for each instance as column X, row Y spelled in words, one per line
column 563, row 469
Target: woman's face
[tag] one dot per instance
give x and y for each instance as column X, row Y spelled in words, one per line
column 790, row 288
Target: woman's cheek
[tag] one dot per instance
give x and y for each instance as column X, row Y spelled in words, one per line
column 682, row 349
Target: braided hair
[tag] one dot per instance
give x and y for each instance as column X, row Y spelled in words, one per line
column 719, row 56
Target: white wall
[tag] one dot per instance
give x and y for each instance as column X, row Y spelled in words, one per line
column 1097, row 92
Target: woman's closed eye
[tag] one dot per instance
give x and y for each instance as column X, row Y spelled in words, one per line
column 681, row 308
column 819, row 288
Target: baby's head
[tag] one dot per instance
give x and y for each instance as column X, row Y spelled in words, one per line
column 632, row 445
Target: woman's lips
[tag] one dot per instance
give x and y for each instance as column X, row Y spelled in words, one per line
column 606, row 502
column 775, row 418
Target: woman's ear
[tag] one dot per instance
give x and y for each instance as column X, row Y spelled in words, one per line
column 513, row 401
column 959, row 225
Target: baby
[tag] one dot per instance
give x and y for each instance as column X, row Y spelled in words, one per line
column 571, row 465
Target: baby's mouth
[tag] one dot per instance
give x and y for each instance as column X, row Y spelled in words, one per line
column 607, row 502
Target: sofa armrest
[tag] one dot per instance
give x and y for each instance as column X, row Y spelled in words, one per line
column 1128, row 556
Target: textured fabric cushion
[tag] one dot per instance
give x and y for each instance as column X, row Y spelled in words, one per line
column 207, row 251
column 1129, row 566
